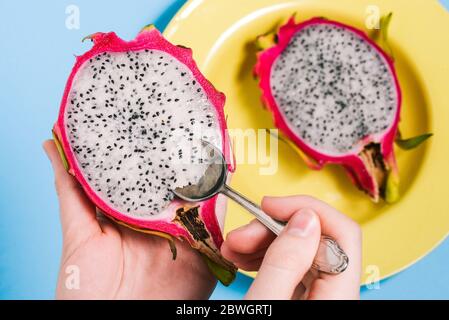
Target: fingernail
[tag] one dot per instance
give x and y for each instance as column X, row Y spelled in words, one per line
column 247, row 228
column 302, row 223
column 269, row 198
column 244, row 227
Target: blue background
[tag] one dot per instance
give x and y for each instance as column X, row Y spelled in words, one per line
column 34, row 65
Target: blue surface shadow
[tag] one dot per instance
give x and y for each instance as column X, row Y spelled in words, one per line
column 445, row 3
column 235, row 291
column 168, row 14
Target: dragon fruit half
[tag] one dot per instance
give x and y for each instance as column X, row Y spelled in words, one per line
column 334, row 93
column 128, row 122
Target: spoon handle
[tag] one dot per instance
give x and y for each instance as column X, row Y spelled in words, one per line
column 330, row 258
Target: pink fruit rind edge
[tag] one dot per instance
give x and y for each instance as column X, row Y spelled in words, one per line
column 147, row 39
column 352, row 162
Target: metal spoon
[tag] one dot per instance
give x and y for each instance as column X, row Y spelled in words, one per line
column 330, row 258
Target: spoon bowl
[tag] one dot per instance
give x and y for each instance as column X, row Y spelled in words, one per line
column 330, row 258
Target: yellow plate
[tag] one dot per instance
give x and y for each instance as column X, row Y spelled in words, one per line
column 221, row 33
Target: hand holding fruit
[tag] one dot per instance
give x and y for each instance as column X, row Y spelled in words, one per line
column 284, row 262
column 114, row 262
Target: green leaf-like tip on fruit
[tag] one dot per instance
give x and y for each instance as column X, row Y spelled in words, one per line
column 381, row 35
column 269, row 39
column 275, row 134
column 225, row 276
column 310, row 162
column 384, row 27
column 392, row 188
column 266, row 41
column 148, row 27
column 91, row 36
column 173, row 249
column 65, row 163
column 412, row 143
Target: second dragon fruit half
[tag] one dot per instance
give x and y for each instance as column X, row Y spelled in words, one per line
column 334, row 95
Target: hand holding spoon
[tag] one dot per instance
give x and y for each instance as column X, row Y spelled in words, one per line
column 330, row 258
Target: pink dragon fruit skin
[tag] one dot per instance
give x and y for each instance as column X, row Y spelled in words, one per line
column 354, row 162
column 167, row 223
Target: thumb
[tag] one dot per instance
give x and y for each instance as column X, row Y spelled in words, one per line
column 288, row 258
column 77, row 212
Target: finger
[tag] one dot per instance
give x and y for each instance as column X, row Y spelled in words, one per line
column 333, row 223
column 247, row 245
column 243, row 261
column 107, row 226
column 336, row 225
column 250, row 238
column 288, row 258
column 221, row 208
column 250, row 266
column 302, row 291
column 77, row 212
